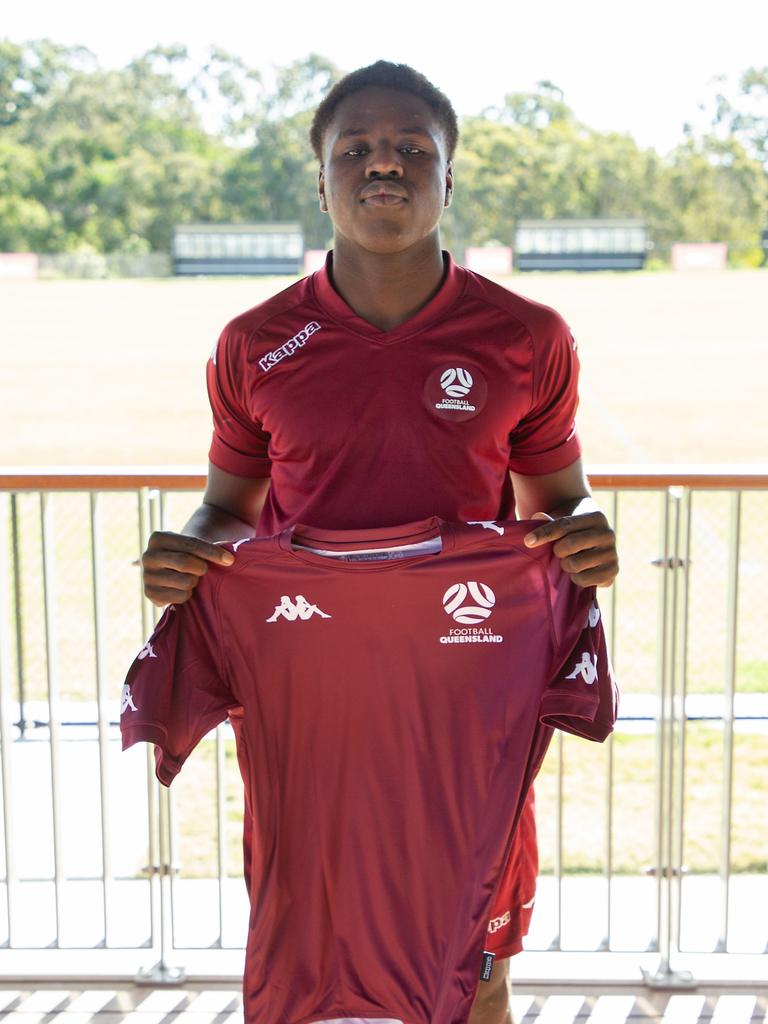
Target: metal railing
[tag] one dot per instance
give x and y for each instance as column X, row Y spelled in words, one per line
column 74, row 831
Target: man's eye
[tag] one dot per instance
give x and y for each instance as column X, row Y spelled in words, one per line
column 357, row 151
column 411, row 149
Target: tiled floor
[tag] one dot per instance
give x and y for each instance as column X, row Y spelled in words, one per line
column 221, row 1004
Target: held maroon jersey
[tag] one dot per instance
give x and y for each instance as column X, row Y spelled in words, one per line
column 394, row 704
column 365, row 428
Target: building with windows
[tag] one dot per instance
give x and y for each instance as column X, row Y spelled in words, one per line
column 238, row 249
column 577, row 244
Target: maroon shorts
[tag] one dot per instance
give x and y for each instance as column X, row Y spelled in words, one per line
column 513, row 902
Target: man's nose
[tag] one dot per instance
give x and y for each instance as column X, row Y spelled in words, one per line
column 384, row 160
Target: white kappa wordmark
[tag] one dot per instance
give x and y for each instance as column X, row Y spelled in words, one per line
column 300, row 608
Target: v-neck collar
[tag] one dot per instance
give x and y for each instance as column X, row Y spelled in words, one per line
column 451, row 289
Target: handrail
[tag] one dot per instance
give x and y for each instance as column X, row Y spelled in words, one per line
column 193, row 478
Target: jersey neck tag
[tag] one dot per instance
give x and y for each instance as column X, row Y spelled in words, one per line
column 487, row 966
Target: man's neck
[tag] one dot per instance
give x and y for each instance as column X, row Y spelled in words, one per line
column 387, row 289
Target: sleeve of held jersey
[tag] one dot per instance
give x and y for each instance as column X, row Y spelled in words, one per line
column 582, row 697
column 239, row 445
column 545, row 441
column 175, row 691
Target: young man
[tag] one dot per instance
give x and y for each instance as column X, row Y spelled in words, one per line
column 393, row 385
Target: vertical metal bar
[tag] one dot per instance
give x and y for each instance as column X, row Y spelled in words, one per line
column 558, row 944
column 221, row 846
column 18, row 602
column 6, row 739
column 670, row 865
column 143, row 513
column 728, row 715
column 606, row 943
column 51, row 660
column 102, row 704
column 661, row 691
column 683, row 572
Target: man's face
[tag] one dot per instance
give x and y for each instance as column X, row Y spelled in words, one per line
column 386, row 178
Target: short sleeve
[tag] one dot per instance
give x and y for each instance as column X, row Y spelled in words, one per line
column 582, row 697
column 239, row 445
column 545, row 440
column 174, row 692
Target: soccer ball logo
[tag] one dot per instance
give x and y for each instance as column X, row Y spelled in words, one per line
column 456, row 382
column 479, row 599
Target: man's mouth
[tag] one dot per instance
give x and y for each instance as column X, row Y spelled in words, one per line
column 383, row 195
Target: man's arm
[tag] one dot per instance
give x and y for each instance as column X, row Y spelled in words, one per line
column 583, row 540
column 174, row 562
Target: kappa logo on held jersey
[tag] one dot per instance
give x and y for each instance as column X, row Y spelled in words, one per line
column 126, row 700
column 498, row 922
column 300, row 608
column 593, row 617
column 586, row 667
column 147, row 651
column 290, row 348
column 488, row 524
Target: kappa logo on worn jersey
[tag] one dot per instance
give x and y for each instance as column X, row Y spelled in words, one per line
column 456, row 382
column 469, row 603
column 593, row 616
column 147, row 651
column 290, row 348
column 298, row 609
column 127, row 700
column 488, row 524
column 586, row 667
column 498, row 922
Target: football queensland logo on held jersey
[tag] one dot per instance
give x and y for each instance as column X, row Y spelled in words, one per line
column 456, row 392
column 470, row 603
column 290, row 347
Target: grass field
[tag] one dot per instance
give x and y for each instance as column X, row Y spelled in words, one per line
column 112, row 372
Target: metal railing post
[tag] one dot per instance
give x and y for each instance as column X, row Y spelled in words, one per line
column 159, row 866
column 667, row 868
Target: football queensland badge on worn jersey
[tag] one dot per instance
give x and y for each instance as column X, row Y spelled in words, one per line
column 456, row 393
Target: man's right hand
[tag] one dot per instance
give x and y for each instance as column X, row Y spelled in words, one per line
column 173, row 564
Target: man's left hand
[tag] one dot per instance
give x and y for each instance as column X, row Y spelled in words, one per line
column 585, row 545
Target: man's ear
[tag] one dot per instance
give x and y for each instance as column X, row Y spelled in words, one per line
column 321, row 189
column 448, row 184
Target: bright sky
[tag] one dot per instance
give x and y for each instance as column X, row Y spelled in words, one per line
column 638, row 68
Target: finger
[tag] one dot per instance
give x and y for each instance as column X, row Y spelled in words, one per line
column 593, row 558
column 169, row 578
column 175, row 561
column 550, row 531
column 167, row 541
column 582, row 540
column 602, row 576
column 168, row 595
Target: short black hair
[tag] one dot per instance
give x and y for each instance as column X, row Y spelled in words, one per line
column 384, row 74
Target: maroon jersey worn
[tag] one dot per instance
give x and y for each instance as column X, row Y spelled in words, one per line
column 392, row 711
column 365, row 428
column 361, row 428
